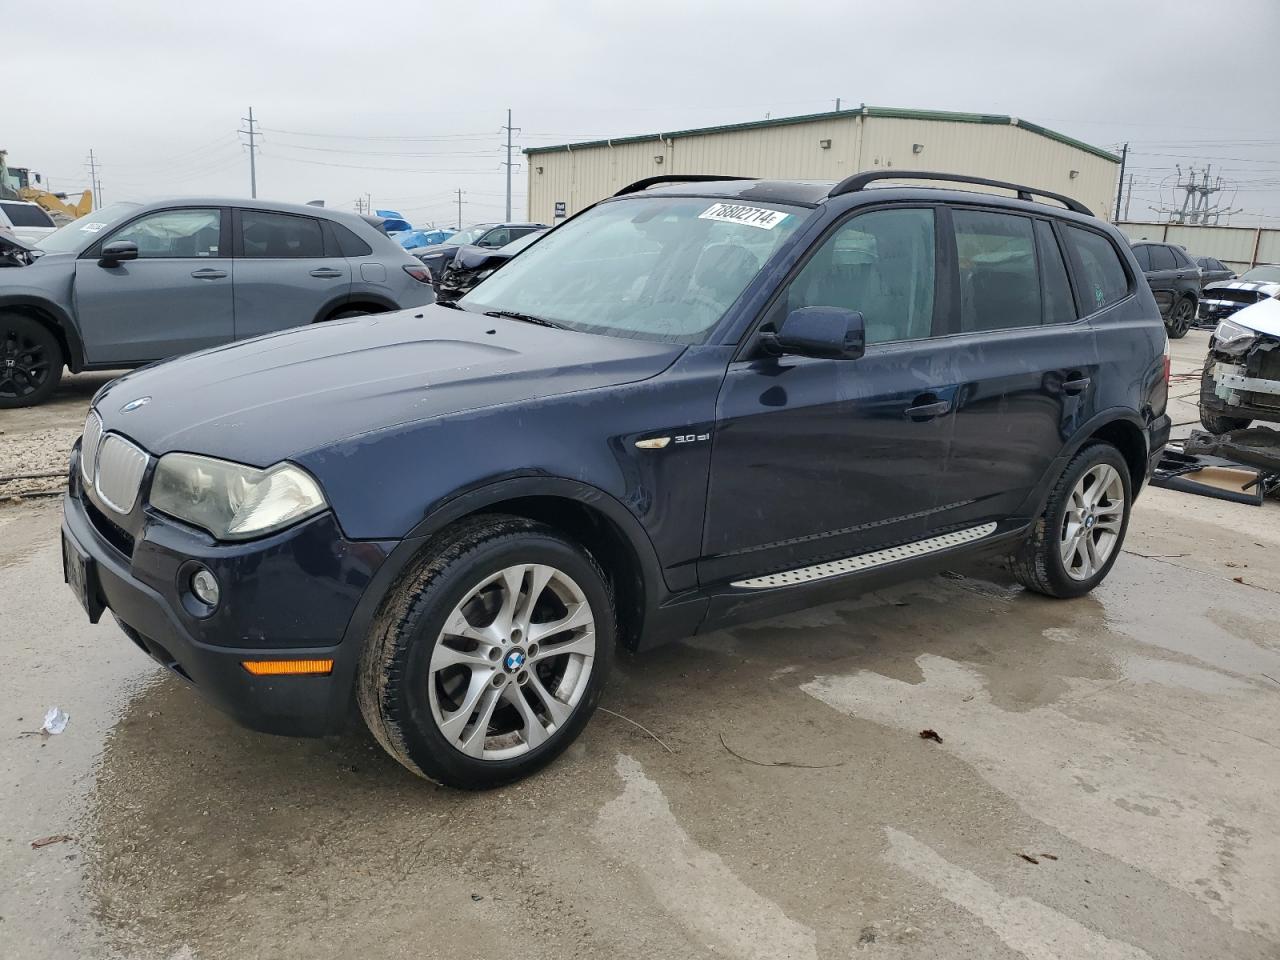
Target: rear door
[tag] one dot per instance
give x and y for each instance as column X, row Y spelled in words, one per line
column 175, row 298
column 1025, row 363
column 1163, row 277
column 816, row 459
column 286, row 275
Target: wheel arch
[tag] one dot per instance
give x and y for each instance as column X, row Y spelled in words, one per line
column 375, row 303
column 1121, row 428
column 55, row 319
column 583, row 513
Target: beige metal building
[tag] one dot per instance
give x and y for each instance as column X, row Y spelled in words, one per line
column 827, row 146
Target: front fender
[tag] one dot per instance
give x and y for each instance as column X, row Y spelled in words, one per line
column 37, row 299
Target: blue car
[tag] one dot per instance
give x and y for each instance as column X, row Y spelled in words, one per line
column 413, row 239
column 699, row 402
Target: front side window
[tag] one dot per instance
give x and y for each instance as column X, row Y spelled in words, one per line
column 650, row 268
column 279, row 235
column 1142, row 254
column 881, row 264
column 174, row 234
column 497, row 237
column 1102, row 276
column 996, row 255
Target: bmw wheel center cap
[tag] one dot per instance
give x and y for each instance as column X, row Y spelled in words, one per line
column 515, row 660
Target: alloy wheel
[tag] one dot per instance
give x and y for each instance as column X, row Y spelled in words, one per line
column 1182, row 313
column 512, row 662
column 24, row 365
column 1091, row 523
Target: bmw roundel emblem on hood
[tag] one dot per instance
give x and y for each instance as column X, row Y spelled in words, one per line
column 135, row 404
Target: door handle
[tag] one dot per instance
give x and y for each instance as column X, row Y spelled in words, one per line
column 208, row 273
column 926, row 411
column 1077, row 385
column 326, row 273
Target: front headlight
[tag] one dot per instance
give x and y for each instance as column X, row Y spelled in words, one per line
column 1226, row 332
column 230, row 500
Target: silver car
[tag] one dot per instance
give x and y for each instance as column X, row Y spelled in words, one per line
column 132, row 283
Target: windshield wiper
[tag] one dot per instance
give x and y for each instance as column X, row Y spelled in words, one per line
column 524, row 318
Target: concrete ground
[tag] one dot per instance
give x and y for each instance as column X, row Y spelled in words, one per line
column 1107, row 785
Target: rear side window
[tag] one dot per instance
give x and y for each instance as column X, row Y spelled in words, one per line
column 1162, row 258
column 880, row 263
column 1059, row 305
column 999, row 288
column 1181, row 257
column 279, row 235
column 1143, row 255
column 26, row 215
column 1102, row 277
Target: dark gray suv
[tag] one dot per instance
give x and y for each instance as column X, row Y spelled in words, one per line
column 132, row 283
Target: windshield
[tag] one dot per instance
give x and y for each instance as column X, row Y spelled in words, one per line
column 1267, row 274
column 652, row 268
column 469, row 235
column 80, row 233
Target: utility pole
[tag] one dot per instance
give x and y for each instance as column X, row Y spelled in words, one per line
column 459, row 209
column 510, row 129
column 93, row 181
column 253, row 151
column 1124, row 157
column 837, row 104
column 1128, row 196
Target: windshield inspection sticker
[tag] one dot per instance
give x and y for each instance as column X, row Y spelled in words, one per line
column 92, row 227
column 747, row 216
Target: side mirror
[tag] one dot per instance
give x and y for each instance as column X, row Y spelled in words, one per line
column 116, row 251
column 829, row 332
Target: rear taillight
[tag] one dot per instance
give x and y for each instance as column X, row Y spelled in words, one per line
column 1167, row 362
column 418, row 272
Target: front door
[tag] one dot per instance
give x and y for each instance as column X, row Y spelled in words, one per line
column 815, row 459
column 285, row 276
column 175, row 298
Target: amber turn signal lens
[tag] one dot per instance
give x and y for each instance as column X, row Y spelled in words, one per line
column 281, row 668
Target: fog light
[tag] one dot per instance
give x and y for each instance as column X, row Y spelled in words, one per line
column 205, row 587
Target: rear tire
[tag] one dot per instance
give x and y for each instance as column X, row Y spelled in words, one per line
column 31, row 362
column 1180, row 317
column 1215, row 423
column 1073, row 545
column 489, row 657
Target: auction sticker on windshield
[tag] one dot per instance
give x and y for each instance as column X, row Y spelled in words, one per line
column 747, row 216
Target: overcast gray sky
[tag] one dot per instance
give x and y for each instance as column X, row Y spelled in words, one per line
column 404, row 100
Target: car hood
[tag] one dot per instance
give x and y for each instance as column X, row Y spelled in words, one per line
column 1265, row 286
column 470, row 257
column 1263, row 317
column 435, row 248
column 276, row 397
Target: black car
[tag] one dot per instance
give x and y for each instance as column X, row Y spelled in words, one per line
column 1174, row 278
column 491, row 236
column 1213, row 270
column 471, row 264
column 755, row 396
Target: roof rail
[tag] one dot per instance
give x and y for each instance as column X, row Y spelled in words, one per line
column 648, row 182
column 860, row 180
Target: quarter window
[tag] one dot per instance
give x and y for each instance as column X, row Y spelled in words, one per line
column 1101, row 274
column 996, row 255
column 882, row 264
column 174, row 233
column 1059, row 305
column 279, row 235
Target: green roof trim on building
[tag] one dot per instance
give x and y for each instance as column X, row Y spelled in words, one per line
column 890, row 112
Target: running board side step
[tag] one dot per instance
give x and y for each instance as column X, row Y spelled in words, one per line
column 866, row 561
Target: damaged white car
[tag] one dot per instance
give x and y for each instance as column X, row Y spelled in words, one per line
column 1225, row 298
column 1241, row 379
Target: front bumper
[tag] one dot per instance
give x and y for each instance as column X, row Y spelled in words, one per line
column 287, row 596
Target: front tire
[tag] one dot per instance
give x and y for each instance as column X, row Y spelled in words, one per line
column 31, row 362
column 1074, row 544
column 489, row 657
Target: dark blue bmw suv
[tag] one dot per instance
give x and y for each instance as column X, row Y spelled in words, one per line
column 698, row 402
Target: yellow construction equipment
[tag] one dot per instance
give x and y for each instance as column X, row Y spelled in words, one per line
column 57, row 204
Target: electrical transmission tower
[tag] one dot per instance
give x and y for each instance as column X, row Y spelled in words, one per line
column 1198, row 205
